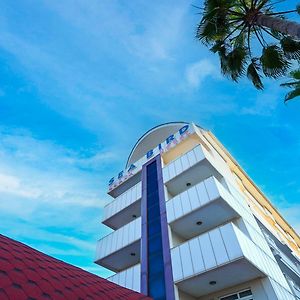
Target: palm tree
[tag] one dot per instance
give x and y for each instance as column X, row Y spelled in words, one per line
column 295, row 85
column 250, row 38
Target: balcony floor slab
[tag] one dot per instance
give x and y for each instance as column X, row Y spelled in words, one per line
column 228, row 275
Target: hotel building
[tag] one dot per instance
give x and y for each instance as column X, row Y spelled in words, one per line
column 190, row 224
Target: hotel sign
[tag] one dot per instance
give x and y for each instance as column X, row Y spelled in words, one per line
column 170, row 142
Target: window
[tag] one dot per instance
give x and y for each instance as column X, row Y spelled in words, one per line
column 156, row 278
column 242, row 295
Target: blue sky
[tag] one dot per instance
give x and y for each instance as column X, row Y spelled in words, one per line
column 81, row 80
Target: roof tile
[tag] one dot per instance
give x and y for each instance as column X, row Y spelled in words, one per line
column 27, row 274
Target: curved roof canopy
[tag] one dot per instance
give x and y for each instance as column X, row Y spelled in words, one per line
column 152, row 138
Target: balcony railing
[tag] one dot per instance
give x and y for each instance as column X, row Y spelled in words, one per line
column 129, row 278
column 189, row 169
column 200, row 208
column 283, row 257
column 124, row 208
column 214, row 255
column 120, row 249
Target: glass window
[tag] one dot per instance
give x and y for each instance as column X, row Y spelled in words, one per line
column 231, row 297
column 155, row 207
column 155, row 244
column 157, row 287
column 243, row 295
column 156, row 265
column 154, row 227
column 156, row 279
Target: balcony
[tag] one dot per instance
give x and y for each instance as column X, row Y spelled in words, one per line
column 129, row 278
column 190, row 168
column 124, row 208
column 125, row 184
column 202, row 207
column 288, row 266
column 214, row 260
column 120, row 249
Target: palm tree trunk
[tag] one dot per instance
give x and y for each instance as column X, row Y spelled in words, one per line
column 283, row 26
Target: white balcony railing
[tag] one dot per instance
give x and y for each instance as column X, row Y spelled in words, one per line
column 121, row 210
column 182, row 163
column 208, row 202
column 217, row 253
column 207, row 251
column 197, row 197
column 129, row 278
column 123, row 201
column 111, row 250
column 190, row 168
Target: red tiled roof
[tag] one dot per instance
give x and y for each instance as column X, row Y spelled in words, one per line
column 27, row 274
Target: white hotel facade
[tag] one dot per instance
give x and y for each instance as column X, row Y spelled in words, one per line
column 190, row 224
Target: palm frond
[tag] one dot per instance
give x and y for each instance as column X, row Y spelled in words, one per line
column 240, row 39
column 291, row 48
column 233, row 64
column 253, row 75
column 295, row 74
column 215, row 23
column 292, row 84
column 209, row 31
column 291, row 95
column 219, row 46
column 278, row 35
column 274, row 64
column 229, row 28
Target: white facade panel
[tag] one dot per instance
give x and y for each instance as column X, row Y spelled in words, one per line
column 212, row 188
column 202, row 193
column 196, row 256
column 122, row 279
column 176, row 264
column 185, row 202
column 191, row 158
column 231, row 242
column 170, row 210
column 184, row 162
column 207, row 251
column 178, row 166
column 129, row 278
column 172, row 170
column 178, row 211
column 166, row 174
column 137, row 278
column 186, row 259
column 219, row 247
column 194, row 199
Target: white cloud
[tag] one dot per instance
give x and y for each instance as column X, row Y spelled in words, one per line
column 47, row 197
column 12, row 185
column 42, row 171
column 161, row 34
column 197, row 72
